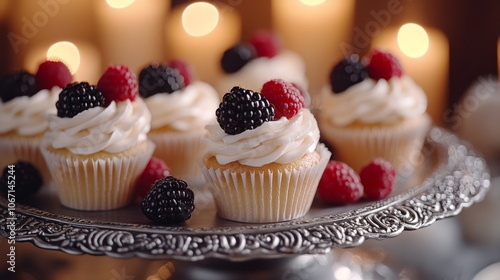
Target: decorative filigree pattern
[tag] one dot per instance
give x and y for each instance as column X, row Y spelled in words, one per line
column 457, row 183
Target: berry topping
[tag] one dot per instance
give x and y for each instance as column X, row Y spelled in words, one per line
column 184, row 69
column 346, row 73
column 28, row 180
column 19, row 84
column 243, row 109
column 339, row 184
column 154, row 170
column 378, row 178
column 286, row 99
column 266, row 43
column 170, row 201
column 52, row 73
column 118, row 83
column 158, row 78
column 383, row 65
column 76, row 98
column 236, row 57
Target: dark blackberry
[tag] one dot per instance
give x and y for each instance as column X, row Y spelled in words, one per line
column 18, row 84
column 347, row 72
column 243, row 109
column 158, row 78
column 78, row 97
column 169, row 201
column 236, row 57
column 21, row 181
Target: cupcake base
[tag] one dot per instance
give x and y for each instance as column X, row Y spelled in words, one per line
column 271, row 193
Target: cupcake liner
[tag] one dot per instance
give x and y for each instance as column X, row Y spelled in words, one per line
column 181, row 152
column 400, row 144
column 268, row 196
column 97, row 182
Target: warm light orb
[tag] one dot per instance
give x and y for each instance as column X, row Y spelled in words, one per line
column 66, row 52
column 413, row 40
column 200, row 18
column 312, row 2
column 119, row 4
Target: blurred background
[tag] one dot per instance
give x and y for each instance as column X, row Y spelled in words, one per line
column 452, row 49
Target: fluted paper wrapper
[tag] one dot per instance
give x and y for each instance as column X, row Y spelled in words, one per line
column 264, row 197
column 97, row 183
column 399, row 144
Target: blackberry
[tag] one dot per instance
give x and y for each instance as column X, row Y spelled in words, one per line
column 78, row 97
column 243, row 109
column 19, row 84
column 346, row 73
column 28, row 180
column 236, row 57
column 169, row 201
column 158, row 78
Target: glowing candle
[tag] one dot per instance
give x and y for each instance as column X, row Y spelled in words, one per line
column 498, row 57
column 199, row 33
column 424, row 54
column 315, row 29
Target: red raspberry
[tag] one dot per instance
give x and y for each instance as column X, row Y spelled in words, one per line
column 118, row 83
column 52, row 73
column 184, row 69
column 154, row 170
column 339, row 184
column 383, row 65
column 266, row 43
column 378, row 178
column 286, row 98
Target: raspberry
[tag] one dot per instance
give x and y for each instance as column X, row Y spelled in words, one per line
column 266, row 43
column 21, row 83
column 243, row 109
column 76, row 98
column 378, row 178
column 346, row 73
column 28, row 180
column 52, row 73
column 184, row 69
column 157, row 78
column 154, row 170
column 339, row 184
column 170, row 201
column 236, row 57
column 118, row 83
column 286, row 98
column 383, row 65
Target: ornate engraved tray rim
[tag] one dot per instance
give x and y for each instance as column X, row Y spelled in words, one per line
column 458, row 179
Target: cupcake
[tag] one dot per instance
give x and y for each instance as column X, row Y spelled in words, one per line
column 97, row 142
column 180, row 108
column 264, row 162
column 26, row 99
column 372, row 110
column 250, row 65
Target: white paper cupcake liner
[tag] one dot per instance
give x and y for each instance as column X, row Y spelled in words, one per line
column 92, row 183
column 265, row 197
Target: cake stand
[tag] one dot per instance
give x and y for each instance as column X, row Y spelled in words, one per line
column 449, row 176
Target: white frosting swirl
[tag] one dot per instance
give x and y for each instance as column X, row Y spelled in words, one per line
column 27, row 115
column 281, row 141
column 371, row 101
column 112, row 129
column 286, row 65
column 184, row 110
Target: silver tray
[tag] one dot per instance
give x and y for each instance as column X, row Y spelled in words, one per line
column 450, row 177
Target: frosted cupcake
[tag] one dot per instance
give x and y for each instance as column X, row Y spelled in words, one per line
column 372, row 111
column 264, row 162
column 180, row 108
column 97, row 143
column 250, row 65
column 26, row 99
